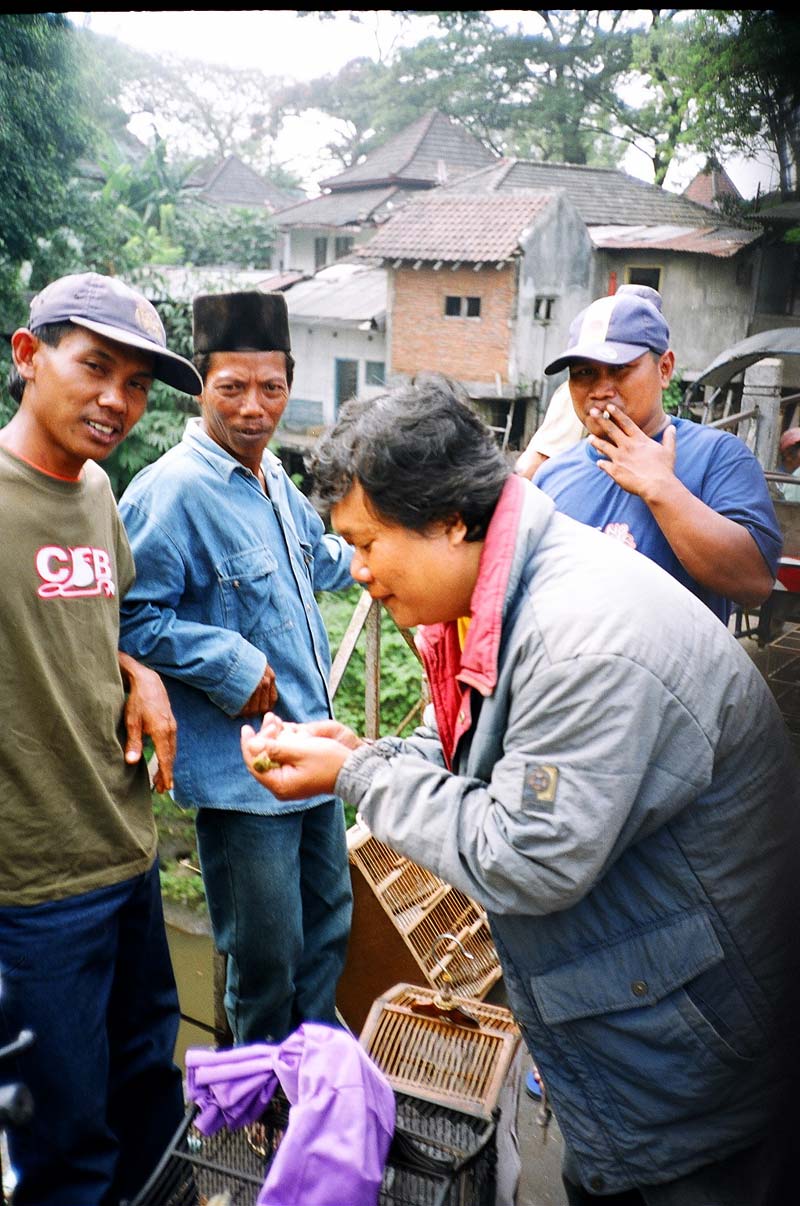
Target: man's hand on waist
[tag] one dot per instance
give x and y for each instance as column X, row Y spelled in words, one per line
column 264, row 697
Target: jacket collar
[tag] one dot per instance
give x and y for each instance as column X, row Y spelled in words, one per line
column 216, row 457
column 480, row 653
column 518, row 524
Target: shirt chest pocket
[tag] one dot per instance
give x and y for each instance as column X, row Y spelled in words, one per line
column 250, row 593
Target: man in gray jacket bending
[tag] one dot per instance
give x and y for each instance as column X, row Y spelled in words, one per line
column 608, row 775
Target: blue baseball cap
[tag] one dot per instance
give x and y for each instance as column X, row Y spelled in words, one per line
column 616, row 329
column 109, row 307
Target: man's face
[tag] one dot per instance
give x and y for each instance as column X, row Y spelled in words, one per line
column 244, row 396
column 634, row 388
column 81, row 398
column 421, row 578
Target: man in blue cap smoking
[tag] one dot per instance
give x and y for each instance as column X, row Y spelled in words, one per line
column 691, row 498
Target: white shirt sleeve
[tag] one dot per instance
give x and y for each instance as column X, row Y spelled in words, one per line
column 560, row 428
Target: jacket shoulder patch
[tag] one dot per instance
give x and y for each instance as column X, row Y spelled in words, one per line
column 539, row 785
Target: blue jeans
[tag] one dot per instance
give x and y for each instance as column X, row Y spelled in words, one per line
column 91, row 976
column 279, row 897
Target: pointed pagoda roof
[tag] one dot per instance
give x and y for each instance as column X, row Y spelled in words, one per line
column 230, row 181
column 709, row 185
column 431, row 149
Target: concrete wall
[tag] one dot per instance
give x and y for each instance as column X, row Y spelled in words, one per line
column 708, row 302
column 469, row 349
column 556, row 265
column 316, row 347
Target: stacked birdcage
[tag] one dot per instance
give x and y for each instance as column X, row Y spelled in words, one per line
column 422, row 907
column 454, row 1063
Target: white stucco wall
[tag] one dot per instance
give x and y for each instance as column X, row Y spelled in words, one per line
column 298, row 253
column 316, row 347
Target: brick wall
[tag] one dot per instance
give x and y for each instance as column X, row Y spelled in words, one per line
column 469, row 349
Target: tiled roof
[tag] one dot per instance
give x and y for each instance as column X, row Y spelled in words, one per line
column 418, row 153
column 602, row 196
column 349, row 208
column 453, row 228
column 710, row 184
column 722, row 241
column 782, row 212
column 232, row 182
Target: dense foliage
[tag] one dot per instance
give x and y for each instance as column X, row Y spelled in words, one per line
column 44, row 127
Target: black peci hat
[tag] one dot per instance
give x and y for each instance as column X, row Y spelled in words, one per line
column 241, row 322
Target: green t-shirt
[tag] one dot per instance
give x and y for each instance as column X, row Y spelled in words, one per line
column 73, row 815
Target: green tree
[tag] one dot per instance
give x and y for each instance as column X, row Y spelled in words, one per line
column 44, row 128
column 547, row 94
column 668, row 61
column 213, row 235
column 748, row 96
column 358, row 99
column 201, row 109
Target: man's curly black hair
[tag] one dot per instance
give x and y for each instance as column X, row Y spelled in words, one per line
column 420, row 453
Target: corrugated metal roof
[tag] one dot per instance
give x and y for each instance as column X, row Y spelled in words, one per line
column 452, row 228
column 183, row 284
column 345, row 293
column 720, row 241
column 417, row 152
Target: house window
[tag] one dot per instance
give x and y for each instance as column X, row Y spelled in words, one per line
column 346, row 386
column 375, row 373
column 462, row 307
column 342, row 246
column 543, row 309
column 320, row 252
column 643, row 276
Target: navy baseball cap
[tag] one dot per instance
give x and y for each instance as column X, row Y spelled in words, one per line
column 616, row 329
column 109, row 307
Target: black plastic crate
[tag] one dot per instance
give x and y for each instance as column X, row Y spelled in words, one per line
column 438, row 1157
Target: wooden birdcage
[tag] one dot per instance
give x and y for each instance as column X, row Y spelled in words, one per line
column 421, row 908
column 457, row 1053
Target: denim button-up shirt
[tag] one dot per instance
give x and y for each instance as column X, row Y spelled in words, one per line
column 225, row 582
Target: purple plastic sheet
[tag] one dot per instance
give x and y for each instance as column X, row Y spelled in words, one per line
column 341, row 1118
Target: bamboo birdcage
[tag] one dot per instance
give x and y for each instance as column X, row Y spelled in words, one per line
column 456, row 1053
column 422, row 907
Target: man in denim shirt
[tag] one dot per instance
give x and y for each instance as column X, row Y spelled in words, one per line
column 228, row 556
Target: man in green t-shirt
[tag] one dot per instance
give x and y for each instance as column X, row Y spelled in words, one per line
column 83, row 957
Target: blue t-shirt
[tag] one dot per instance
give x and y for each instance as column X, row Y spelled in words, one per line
column 716, row 466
